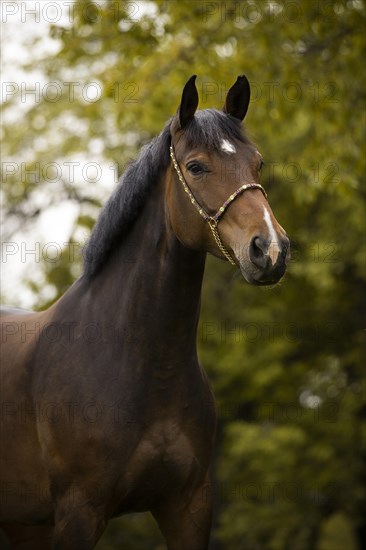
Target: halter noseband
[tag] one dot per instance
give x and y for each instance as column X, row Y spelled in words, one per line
column 213, row 220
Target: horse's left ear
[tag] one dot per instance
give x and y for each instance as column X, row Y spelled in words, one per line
column 189, row 102
column 237, row 99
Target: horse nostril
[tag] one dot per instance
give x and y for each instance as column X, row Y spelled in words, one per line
column 258, row 252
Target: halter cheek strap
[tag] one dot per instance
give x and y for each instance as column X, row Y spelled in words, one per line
column 213, row 220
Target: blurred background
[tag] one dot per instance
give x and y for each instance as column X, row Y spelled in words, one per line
column 85, row 85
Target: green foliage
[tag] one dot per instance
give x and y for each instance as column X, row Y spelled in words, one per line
column 286, row 362
column 133, row 532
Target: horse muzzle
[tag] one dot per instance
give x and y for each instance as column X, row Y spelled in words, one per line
column 265, row 262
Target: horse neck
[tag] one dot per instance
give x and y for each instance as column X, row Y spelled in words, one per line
column 149, row 291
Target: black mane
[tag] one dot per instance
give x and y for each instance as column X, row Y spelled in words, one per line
column 206, row 130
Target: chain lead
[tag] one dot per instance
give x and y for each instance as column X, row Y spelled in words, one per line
column 213, row 226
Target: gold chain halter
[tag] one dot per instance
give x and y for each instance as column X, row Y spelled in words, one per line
column 213, row 221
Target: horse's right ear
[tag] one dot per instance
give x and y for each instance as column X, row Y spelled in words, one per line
column 189, row 102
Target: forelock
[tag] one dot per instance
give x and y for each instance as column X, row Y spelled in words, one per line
column 209, row 127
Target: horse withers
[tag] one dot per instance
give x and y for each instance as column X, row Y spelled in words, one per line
column 106, row 409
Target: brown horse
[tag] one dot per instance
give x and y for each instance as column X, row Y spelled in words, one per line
column 106, row 409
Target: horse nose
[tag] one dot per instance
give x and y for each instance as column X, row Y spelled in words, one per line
column 258, row 252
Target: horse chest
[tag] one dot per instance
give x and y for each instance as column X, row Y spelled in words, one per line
column 166, row 461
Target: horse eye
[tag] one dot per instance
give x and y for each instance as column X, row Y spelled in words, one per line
column 195, row 168
column 261, row 163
